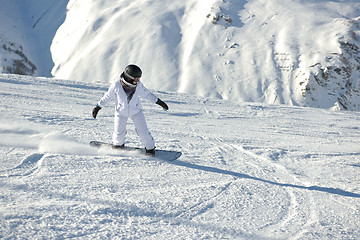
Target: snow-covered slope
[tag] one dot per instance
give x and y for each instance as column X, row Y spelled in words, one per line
column 302, row 53
column 247, row 171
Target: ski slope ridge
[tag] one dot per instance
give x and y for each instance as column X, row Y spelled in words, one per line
column 247, row 170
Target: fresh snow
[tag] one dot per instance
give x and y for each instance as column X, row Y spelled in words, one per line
column 247, row 170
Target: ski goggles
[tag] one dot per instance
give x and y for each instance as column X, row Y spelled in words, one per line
column 135, row 79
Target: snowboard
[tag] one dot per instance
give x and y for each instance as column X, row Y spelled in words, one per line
column 159, row 154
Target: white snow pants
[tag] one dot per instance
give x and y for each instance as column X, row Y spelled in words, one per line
column 140, row 127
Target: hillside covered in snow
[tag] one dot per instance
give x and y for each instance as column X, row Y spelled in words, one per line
column 247, row 170
column 294, row 52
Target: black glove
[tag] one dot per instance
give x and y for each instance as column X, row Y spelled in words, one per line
column 162, row 104
column 95, row 111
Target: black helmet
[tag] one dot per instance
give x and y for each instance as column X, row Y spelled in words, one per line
column 132, row 72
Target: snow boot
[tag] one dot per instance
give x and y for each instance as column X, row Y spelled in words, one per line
column 118, row 146
column 150, row 152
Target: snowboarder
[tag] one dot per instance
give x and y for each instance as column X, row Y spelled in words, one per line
column 126, row 91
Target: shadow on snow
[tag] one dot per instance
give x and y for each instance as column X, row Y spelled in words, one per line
column 335, row 191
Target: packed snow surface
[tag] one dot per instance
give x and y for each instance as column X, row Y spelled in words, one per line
column 247, row 170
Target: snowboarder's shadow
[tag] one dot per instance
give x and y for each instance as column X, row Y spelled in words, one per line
column 336, row 191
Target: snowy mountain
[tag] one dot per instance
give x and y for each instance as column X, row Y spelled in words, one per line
column 294, row 52
column 247, row 170
column 27, row 29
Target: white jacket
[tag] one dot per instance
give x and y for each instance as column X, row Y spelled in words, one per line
column 122, row 106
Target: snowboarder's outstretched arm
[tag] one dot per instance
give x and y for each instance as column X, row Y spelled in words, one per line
column 104, row 100
column 151, row 97
column 109, row 95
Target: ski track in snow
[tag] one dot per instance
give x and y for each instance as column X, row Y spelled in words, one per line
column 247, row 171
column 28, row 166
